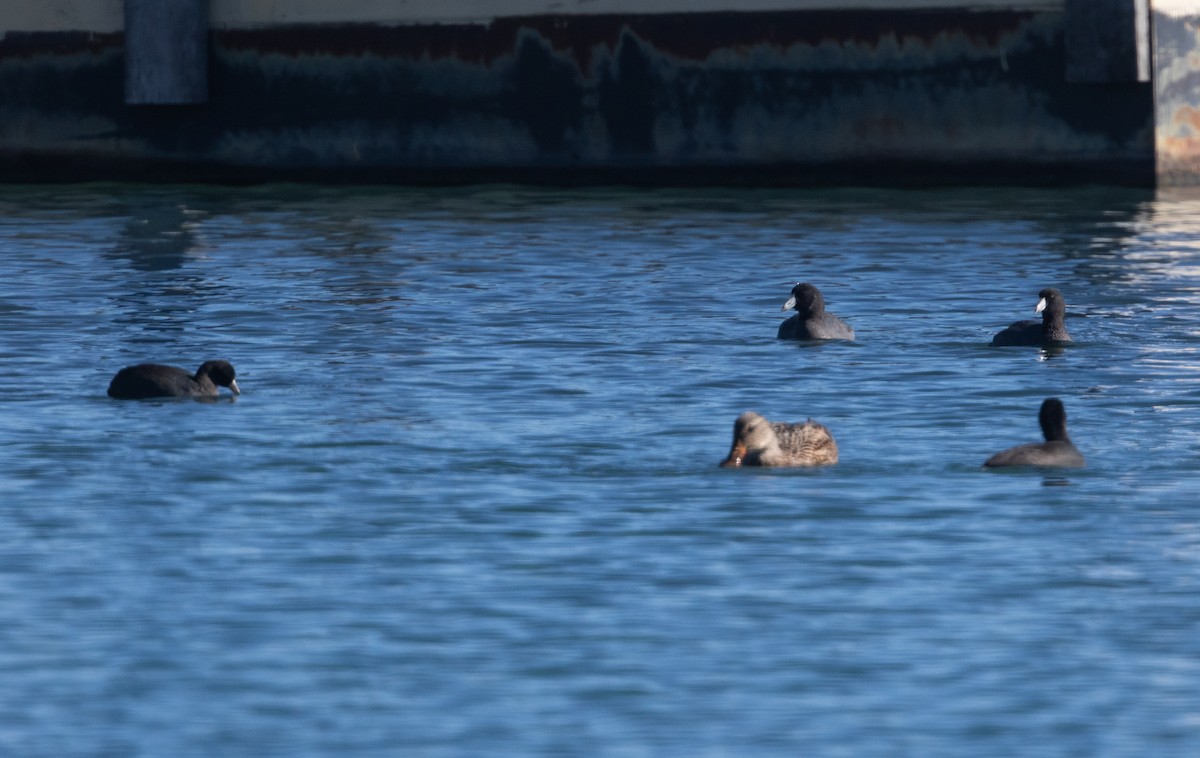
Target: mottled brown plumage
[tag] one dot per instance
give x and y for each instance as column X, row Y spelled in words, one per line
column 758, row 442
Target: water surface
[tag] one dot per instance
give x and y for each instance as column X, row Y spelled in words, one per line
column 468, row 503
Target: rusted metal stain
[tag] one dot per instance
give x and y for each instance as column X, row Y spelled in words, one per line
column 1177, row 97
column 789, row 97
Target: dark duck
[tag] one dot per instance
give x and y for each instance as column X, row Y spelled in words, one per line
column 147, row 380
column 1049, row 330
column 1057, row 450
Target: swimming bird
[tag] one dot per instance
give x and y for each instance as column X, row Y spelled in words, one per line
column 811, row 322
column 1057, row 450
column 1033, row 332
column 155, row 380
column 758, row 442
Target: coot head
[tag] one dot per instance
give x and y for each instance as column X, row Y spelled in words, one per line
column 1051, row 304
column 1053, row 419
column 805, row 299
column 221, row 373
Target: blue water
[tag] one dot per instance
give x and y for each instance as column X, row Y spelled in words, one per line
column 468, row 502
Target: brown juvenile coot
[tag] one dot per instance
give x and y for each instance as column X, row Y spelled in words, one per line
column 811, row 322
column 1051, row 328
column 758, row 442
column 155, row 380
column 1057, row 450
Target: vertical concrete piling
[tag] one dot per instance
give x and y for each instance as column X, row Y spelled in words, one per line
column 1177, row 92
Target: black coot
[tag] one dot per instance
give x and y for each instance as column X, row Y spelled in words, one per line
column 1057, row 450
column 811, row 322
column 1050, row 329
column 155, row 380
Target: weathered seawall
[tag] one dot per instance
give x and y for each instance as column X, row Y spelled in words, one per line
column 768, row 91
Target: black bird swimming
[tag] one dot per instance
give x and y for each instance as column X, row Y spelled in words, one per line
column 811, row 322
column 1050, row 329
column 155, row 380
column 1057, row 450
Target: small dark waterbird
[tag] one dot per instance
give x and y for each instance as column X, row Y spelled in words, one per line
column 811, row 321
column 758, row 442
column 1057, row 450
column 147, row 380
column 1052, row 328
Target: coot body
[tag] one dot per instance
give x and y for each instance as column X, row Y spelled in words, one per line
column 811, row 321
column 147, row 380
column 1052, row 328
column 1057, row 450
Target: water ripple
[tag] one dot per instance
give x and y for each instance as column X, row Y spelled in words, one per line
column 468, row 502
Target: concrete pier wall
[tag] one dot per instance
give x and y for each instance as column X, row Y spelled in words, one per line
column 776, row 91
column 1177, row 91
